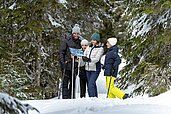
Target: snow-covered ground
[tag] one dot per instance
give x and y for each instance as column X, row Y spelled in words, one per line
column 139, row 105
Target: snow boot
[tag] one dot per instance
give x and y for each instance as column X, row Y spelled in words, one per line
column 126, row 96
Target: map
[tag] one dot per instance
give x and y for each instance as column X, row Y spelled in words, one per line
column 76, row 52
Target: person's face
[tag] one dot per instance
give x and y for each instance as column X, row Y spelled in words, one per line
column 93, row 42
column 84, row 46
column 75, row 35
column 108, row 45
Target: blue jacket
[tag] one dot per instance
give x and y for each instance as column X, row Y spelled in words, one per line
column 112, row 61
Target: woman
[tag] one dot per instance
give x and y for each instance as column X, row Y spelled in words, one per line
column 92, row 58
column 111, row 65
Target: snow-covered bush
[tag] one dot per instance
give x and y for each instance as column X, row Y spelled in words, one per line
column 11, row 105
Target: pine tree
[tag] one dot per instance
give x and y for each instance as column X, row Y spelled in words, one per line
column 25, row 33
column 31, row 31
column 146, row 48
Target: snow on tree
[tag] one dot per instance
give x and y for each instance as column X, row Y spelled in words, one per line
column 147, row 47
column 31, row 31
column 11, row 105
column 144, row 23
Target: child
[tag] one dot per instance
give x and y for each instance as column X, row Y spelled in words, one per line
column 82, row 74
column 111, row 65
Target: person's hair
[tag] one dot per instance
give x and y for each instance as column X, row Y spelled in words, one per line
column 92, row 44
column 105, row 48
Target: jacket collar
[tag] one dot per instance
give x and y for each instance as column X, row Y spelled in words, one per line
column 113, row 48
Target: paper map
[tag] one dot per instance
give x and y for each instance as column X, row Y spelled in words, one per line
column 76, row 52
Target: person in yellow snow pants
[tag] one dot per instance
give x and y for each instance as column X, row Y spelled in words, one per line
column 111, row 65
column 113, row 91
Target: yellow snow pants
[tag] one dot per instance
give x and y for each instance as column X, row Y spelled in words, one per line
column 113, row 91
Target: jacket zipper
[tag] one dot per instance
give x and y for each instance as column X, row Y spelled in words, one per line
column 90, row 54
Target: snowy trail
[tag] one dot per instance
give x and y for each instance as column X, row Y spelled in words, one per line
column 138, row 105
column 129, row 109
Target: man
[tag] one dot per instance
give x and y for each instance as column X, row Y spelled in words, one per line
column 66, row 60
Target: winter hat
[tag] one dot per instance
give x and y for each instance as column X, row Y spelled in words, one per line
column 76, row 29
column 96, row 36
column 84, row 42
column 112, row 41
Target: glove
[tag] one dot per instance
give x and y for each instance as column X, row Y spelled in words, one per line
column 86, row 59
column 112, row 70
column 102, row 66
column 63, row 65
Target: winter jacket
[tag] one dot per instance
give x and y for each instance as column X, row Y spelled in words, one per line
column 94, row 53
column 65, row 54
column 82, row 63
column 112, row 61
column 82, row 69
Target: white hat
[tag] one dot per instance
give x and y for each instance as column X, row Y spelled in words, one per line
column 76, row 29
column 112, row 41
column 84, row 42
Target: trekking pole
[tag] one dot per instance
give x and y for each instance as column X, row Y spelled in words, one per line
column 79, row 63
column 72, row 86
column 109, row 86
column 60, row 86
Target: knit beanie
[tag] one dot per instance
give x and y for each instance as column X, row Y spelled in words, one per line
column 76, row 29
column 112, row 41
column 84, row 42
column 96, row 36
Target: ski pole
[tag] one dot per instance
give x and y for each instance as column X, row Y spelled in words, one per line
column 109, row 86
column 60, row 86
column 72, row 86
column 79, row 64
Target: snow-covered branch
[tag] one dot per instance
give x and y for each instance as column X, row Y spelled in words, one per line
column 12, row 105
column 144, row 23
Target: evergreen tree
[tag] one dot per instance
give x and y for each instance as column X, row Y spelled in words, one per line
column 147, row 47
column 28, row 54
column 31, row 31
